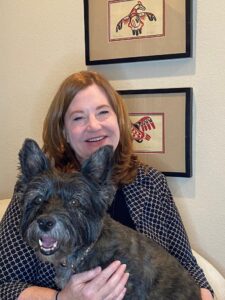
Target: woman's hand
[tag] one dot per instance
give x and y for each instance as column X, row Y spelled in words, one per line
column 97, row 284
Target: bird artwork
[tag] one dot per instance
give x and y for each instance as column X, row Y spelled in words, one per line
column 139, row 128
column 135, row 19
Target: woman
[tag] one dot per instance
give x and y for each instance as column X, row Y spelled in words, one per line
column 87, row 113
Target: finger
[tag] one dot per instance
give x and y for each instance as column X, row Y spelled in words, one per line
column 122, row 294
column 98, row 287
column 104, row 276
column 98, row 282
column 119, row 297
column 85, row 276
column 116, row 285
column 117, row 277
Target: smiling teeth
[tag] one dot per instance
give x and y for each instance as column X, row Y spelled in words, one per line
column 96, row 139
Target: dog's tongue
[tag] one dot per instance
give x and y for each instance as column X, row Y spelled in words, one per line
column 47, row 241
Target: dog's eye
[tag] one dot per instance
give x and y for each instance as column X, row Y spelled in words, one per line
column 74, row 203
column 38, row 200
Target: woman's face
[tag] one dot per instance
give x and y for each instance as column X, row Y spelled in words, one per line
column 90, row 122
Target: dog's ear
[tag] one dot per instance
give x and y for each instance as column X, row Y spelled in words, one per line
column 98, row 166
column 32, row 159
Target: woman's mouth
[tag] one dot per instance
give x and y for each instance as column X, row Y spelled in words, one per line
column 95, row 139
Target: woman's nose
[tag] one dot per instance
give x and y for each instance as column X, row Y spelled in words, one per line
column 93, row 123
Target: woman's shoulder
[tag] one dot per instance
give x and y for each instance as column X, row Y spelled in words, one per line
column 13, row 210
column 149, row 175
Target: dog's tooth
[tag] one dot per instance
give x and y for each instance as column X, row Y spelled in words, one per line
column 45, row 247
column 54, row 246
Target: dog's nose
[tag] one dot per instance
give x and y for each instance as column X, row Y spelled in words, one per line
column 46, row 224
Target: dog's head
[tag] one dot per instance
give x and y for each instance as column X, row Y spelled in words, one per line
column 62, row 212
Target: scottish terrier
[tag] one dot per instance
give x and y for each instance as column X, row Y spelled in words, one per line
column 65, row 220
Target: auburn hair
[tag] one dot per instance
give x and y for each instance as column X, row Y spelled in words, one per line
column 54, row 141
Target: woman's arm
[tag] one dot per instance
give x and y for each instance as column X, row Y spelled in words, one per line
column 37, row 293
column 176, row 239
column 206, row 295
column 155, row 214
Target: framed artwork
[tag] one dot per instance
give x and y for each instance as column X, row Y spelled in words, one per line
column 118, row 31
column 161, row 127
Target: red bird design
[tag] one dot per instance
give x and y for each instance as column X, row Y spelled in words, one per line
column 135, row 19
column 138, row 129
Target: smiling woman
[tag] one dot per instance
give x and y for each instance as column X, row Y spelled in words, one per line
column 86, row 113
column 90, row 122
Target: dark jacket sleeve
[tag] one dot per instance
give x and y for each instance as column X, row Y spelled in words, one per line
column 19, row 267
column 155, row 214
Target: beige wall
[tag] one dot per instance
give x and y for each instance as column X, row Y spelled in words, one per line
column 43, row 41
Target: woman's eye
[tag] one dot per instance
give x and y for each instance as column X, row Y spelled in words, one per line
column 103, row 112
column 77, row 118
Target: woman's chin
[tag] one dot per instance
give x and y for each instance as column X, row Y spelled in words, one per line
column 91, row 147
column 95, row 147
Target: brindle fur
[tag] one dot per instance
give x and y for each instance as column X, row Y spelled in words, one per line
column 72, row 209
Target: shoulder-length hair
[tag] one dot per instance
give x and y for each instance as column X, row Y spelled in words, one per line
column 55, row 144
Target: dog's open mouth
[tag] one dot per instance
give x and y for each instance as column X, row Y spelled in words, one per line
column 48, row 245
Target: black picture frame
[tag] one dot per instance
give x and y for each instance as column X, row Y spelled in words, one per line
column 175, row 105
column 175, row 40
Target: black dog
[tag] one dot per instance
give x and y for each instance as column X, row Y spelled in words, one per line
column 64, row 220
